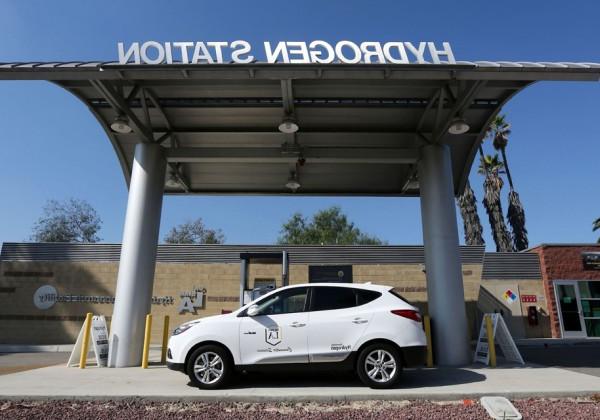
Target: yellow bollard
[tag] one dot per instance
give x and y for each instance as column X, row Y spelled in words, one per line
column 163, row 354
column 427, row 324
column 86, row 340
column 489, row 326
column 147, row 335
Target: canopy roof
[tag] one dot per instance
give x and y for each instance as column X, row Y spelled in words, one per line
column 360, row 125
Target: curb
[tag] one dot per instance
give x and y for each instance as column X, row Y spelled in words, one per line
column 30, row 348
column 305, row 398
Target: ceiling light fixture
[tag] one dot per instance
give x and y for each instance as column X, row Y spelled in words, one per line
column 458, row 126
column 121, row 125
column 288, row 125
column 172, row 181
column 293, row 183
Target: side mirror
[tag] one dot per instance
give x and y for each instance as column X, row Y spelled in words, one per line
column 253, row 310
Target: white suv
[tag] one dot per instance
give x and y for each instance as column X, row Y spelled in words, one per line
column 363, row 327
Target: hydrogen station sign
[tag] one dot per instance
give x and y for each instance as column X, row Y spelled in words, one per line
column 292, row 52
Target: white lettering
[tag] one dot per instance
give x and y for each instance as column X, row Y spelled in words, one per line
column 298, row 48
column 218, row 49
column 168, row 53
column 183, row 48
column 280, row 49
column 339, row 51
column 371, row 49
column 435, row 53
column 236, row 54
column 418, row 53
column 387, row 50
column 201, row 53
column 160, row 52
column 134, row 50
column 316, row 55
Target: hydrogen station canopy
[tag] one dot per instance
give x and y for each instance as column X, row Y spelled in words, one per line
column 284, row 128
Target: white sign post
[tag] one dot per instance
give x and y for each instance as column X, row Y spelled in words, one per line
column 99, row 343
column 501, row 336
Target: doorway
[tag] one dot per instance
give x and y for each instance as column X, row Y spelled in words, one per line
column 568, row 303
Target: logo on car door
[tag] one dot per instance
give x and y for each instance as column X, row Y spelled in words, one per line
column 273, row 335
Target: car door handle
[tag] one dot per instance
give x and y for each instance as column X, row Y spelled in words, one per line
column 297, row 325
column 360, row 321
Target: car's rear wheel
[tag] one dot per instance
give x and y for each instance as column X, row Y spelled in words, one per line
column 379, row 365
column 210, row 367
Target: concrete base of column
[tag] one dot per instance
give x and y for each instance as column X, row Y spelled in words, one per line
column 445, row 289
column 138, row 256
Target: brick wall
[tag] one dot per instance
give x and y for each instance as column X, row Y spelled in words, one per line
column 562, row 263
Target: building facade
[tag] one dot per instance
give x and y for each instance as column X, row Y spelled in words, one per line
column 46, row 289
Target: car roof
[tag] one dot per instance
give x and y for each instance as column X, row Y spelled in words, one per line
column 366, row 286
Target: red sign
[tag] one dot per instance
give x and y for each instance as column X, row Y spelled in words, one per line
column 529, row 298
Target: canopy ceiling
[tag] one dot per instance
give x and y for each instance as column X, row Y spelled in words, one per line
column 360, row 126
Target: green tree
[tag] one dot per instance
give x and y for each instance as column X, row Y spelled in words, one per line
column 70, row 221
column 467, row 204
column 194, row 232
column 499, row 131
column 327, row 227
column 491, row 167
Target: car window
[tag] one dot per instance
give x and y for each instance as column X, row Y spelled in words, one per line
column 365, row 296
column 329, row 298
column 396, row 292
column 285, row 302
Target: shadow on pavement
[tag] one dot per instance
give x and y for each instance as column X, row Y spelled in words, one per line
column 411, row 378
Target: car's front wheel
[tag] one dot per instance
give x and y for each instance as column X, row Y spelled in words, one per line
column 210, row 367
column 379, row 365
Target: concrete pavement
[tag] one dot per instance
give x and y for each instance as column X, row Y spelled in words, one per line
column 159, row 383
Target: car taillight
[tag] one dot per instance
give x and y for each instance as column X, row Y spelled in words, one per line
column 408, row 313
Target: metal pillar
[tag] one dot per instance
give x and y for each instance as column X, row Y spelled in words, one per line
column 285, row 269
column 445, row 289
column 243, row 279
column 138, row 256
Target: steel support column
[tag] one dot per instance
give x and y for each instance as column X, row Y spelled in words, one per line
column 138, row 256
column 445, row 289
column 243, row 279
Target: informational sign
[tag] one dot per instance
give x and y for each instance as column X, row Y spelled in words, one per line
column 46, row 296
column 502, row 337
column 99, row 333
column 292, row 52
column 190, row 301
column 591, row 260
column 510, row 296
column 100, row 340
column 529, row 298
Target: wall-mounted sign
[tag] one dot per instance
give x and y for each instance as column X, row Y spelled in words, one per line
column 510, row 296
column 529, row 298
column 292, row 52
column 46, row 296
column 591, row 260
column 190, row 301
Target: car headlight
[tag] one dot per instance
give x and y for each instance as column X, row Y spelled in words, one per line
column 184, row 327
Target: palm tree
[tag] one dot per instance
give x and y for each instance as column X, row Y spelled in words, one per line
column 467, row 203
column 491, row 167
column 596, row 226
column 499, row 130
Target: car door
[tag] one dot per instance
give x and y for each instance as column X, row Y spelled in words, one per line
column 278, row 334
column 337, row 319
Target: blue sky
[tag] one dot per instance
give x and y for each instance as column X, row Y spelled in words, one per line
column 53, row 148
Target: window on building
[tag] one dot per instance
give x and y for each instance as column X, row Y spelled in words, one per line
column 330, row 274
